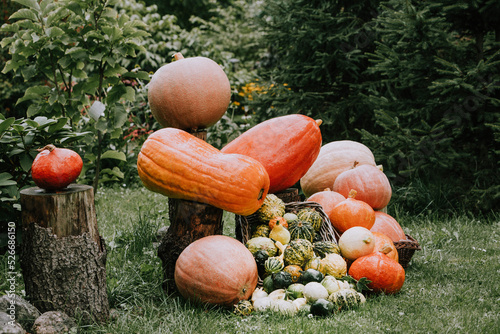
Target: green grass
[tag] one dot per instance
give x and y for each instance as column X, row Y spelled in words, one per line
column 451, row 284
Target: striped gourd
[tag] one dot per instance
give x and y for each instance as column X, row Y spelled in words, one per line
column 300, row 229
column 273, row 265
column 298, row 252
column 321, row 248
column 311, row 216
column 346, row 299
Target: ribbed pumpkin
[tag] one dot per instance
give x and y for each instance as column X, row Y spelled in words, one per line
column 371, row 184
column 328, row 199
column 300, row 229
column 351, row 212
column 189, row 93
column 286, row 146
column 333, row 159
column 385, row 245
column 179, row 165
column 389, row 226
column 323, row 247
column 386, row 275
column 217, row 270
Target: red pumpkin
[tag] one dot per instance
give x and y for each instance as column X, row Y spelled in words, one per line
column 55, row 168
column 352, row 212
column 389, row 226
column 371, row 184
column 189, row 93
column 327, row 199
column 217, row 270
column 385, row 245
column 286, row 146
column 386, row 275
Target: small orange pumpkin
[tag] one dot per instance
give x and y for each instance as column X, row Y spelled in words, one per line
column 386, row 275
column 352, row 212
column 327, row 199
column 389, row 226
column 371, row 184
column 189, row 93
column 216, row 269
column 385, row 245
column 281, row 220
column 55, row 168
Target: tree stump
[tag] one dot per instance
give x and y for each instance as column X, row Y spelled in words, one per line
column 63, row 258
column 189, row 221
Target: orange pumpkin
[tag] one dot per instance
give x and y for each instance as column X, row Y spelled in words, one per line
column 189, row 93
column 333, row 159
column 55, row 168
column 385, row 245
column 389, row 226
column 282, row 221
column 217, row 270
column 371, row 184
column 286, row 146
column 386, row 275
column 175, row 163
column 352, row 212
column 327, row 199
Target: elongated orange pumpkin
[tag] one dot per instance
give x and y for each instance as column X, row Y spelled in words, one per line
column 177, row 164
column 286, row 146
column 189, row 93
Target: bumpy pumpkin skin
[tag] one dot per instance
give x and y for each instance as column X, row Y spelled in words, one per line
column 217, row 270
column 333, row 159
column 189, row 93
column 176, row 164
column 286, row 146
column 55, row 168
column 371, row 184
column 386, row 224
column 386, row 275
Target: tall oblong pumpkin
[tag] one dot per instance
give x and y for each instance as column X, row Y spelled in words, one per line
column 333, row 159
column 176, row 164
column 286, row 146
column 189, row 93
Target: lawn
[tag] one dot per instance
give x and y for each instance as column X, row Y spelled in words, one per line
column 451, row 284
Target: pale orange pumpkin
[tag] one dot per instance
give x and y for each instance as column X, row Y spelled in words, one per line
column 352, row 212
column 189, row 93
column 333, row 159
column 327, row 199
column 371, row 184
column 216, row 270
column 389, row 226
column 385, row 245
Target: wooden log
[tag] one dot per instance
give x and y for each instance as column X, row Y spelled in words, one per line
column 63, row 258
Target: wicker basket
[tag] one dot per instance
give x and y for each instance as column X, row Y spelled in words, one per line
column 326, row 232
column 406, row 249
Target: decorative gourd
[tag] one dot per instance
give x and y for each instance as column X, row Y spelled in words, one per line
column 261, row 243
column 282, row 279
column 301, row 230
column 385, row 274
column 179, row 165
column 280, row 233
column 389, row 226
column 298, row 252
column 327, row 199
column 273, row 265
column 295, row 272
column 334, row 265
column 333, row 159
column 55, row 168
column 321, row 248
column 281, row 220
column 286, row 146
column 371, row 184
column 204, row 272
column 356, row 242
column 314, row 263
column 261, row 231
column 311, row 216
column 350, row 213
column 271, row 207
column 189, row 93
column 346, row 299
column 243, row 307
column 385, row 245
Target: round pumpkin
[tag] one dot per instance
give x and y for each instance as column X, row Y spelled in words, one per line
column 357, row 241
column 386, row 275
column 371, row 184
column 217, row 270
column 55, row 168
column 352, row 212
column 333, row 159
column 327, row 199
column 275, row 220
column 389, row 226
column 385, row 245
column 286, row 146
column 189, row 93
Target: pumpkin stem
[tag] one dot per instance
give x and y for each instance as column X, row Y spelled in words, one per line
column 49, row 147
column 319, row 122
column 327, row 189
column 178, row 56
column 385, row 249
column 355, row 164
column 381, row 167
column 352, row 193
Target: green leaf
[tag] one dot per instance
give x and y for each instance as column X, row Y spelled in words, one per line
column 4, row 125
column 143, row 75
column 114, row 155
column 29, row 3
column 24, row 13
column 26, row 161
column 61, row 122
column 54, row 32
